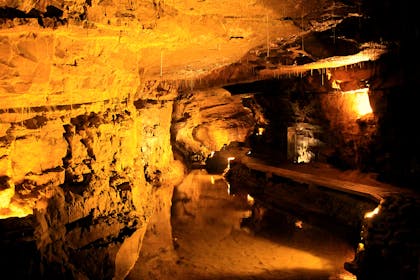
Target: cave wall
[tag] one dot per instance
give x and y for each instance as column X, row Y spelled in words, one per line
column 207, row 120
column 91, row 181
column 388, row 246
column 89, row 173
column 377, row 142
column 86, row 129
column 324, row 103
column 86, row 159
column 85, row 137
column 349, row 135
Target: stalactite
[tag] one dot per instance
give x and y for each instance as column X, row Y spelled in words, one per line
column 333, row 29
column 268, row 37
column 161, row 62
column 303, row 46
column 192, row 84
column 21, row 116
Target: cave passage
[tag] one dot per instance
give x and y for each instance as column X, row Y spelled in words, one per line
column 213, row 241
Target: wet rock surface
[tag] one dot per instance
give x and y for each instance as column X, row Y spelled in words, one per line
column 389, row 245
column 211, row 240
column 384, row 235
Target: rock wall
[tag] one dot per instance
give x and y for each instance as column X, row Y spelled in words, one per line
column 389, row 247
column 328, row 102
column 205, row 121
column 86, row 182
column 351, row 122
column 87, row 176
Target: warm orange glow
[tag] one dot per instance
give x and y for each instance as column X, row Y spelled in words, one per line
column 229, row 159
column 5, row 197
column 370, row 52
column 212, row 180
column 372, row 213
column 299, row 224
column 250, row 199
column 260, row 131
column 9, row 207
column 346, row 276
column 360, row 247
column 335, row 84
column 360, row 101
column 15, row 210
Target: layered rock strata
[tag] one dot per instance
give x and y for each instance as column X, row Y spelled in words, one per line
column 86, row 176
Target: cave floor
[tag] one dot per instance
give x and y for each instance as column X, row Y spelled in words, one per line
column 210, row 242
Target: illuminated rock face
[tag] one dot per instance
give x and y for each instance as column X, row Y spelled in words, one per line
column 208, row 120
column 88, row 173
column 85, row 127
column 95, row 93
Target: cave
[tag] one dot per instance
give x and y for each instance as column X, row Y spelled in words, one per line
column 209, row 139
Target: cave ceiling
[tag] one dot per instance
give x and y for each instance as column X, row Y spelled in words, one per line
column 98, row 50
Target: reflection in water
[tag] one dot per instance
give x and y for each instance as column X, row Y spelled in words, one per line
column 221, row 236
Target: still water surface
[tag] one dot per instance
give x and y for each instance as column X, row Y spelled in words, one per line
column 213, row 239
